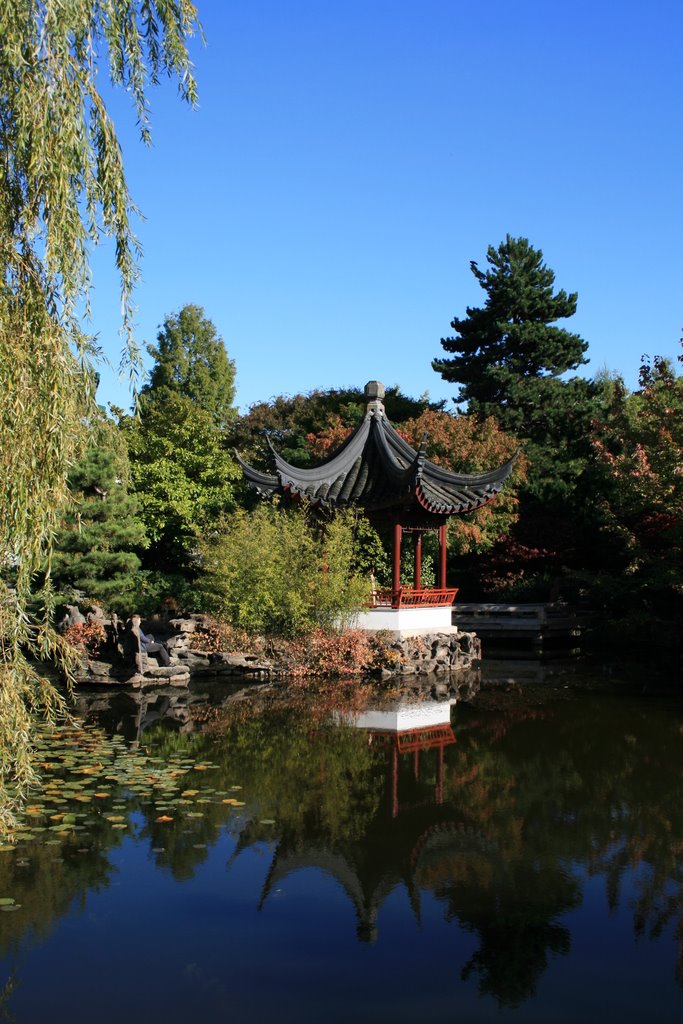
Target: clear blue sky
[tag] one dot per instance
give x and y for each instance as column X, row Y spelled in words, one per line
column 350, row 157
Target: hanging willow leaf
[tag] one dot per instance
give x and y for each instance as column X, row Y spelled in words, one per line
column 63, row 186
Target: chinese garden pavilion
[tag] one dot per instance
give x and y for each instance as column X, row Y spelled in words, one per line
column 398, row 489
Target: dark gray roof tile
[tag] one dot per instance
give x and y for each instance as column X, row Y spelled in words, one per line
column 376, row 469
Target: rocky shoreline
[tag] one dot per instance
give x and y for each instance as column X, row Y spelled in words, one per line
column 188, row 642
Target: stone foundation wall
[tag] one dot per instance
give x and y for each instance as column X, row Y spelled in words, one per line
column 432, row 653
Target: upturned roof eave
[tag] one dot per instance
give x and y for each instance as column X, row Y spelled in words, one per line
column 429, row 468
column 255, row 477
column 404, row 476
column 330, row 469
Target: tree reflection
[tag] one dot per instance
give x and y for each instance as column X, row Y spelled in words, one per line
column 500, row 826
column 513, row 908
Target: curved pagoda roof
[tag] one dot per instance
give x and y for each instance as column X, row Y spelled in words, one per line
column 376, row 469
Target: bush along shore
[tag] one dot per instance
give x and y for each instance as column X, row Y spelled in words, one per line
column 199, row 646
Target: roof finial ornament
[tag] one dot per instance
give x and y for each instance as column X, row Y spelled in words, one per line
column 374, row 393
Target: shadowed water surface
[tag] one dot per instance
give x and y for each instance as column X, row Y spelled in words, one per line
column 517, row 856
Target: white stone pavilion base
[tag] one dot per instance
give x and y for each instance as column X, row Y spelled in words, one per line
column 406, row 621
column 404, row 715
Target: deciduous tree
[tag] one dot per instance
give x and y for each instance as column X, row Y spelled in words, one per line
column 191, row 360
column 63, row 187
column 183, row 475
column 465, row 444
column 290, row 423
column 637, row 487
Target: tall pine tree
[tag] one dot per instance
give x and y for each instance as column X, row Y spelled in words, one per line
column 510, row 357
column 95, row 552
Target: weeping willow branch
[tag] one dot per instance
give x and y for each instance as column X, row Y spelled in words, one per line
column 62, row 188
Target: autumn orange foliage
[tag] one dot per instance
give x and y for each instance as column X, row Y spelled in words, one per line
column 466, row 444
column 463, row 444
column 87, row 638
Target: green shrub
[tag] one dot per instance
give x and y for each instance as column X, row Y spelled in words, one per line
column 282, row 572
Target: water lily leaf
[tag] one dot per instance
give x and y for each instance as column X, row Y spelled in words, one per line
column 119, row 826
column 164, row 817
column 267, row 821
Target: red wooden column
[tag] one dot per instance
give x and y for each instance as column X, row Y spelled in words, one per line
column 442, row 556
column 439, row 777
column 417, row 575
column 396, row 573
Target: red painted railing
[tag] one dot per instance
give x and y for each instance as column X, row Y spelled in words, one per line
column 410, row 740
column 424, row 739
column 406, row 597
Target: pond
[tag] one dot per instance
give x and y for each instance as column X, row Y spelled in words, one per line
column 518, row 855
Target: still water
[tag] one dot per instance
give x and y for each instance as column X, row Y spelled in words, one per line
column 515, row 856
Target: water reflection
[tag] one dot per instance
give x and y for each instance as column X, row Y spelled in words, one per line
column 499, row 815
column 406, row 725
column 132, row 713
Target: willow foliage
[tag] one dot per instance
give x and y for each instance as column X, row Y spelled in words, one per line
column 62, row 188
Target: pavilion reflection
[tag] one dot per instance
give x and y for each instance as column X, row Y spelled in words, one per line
column 405, row 726
column 412, row 827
